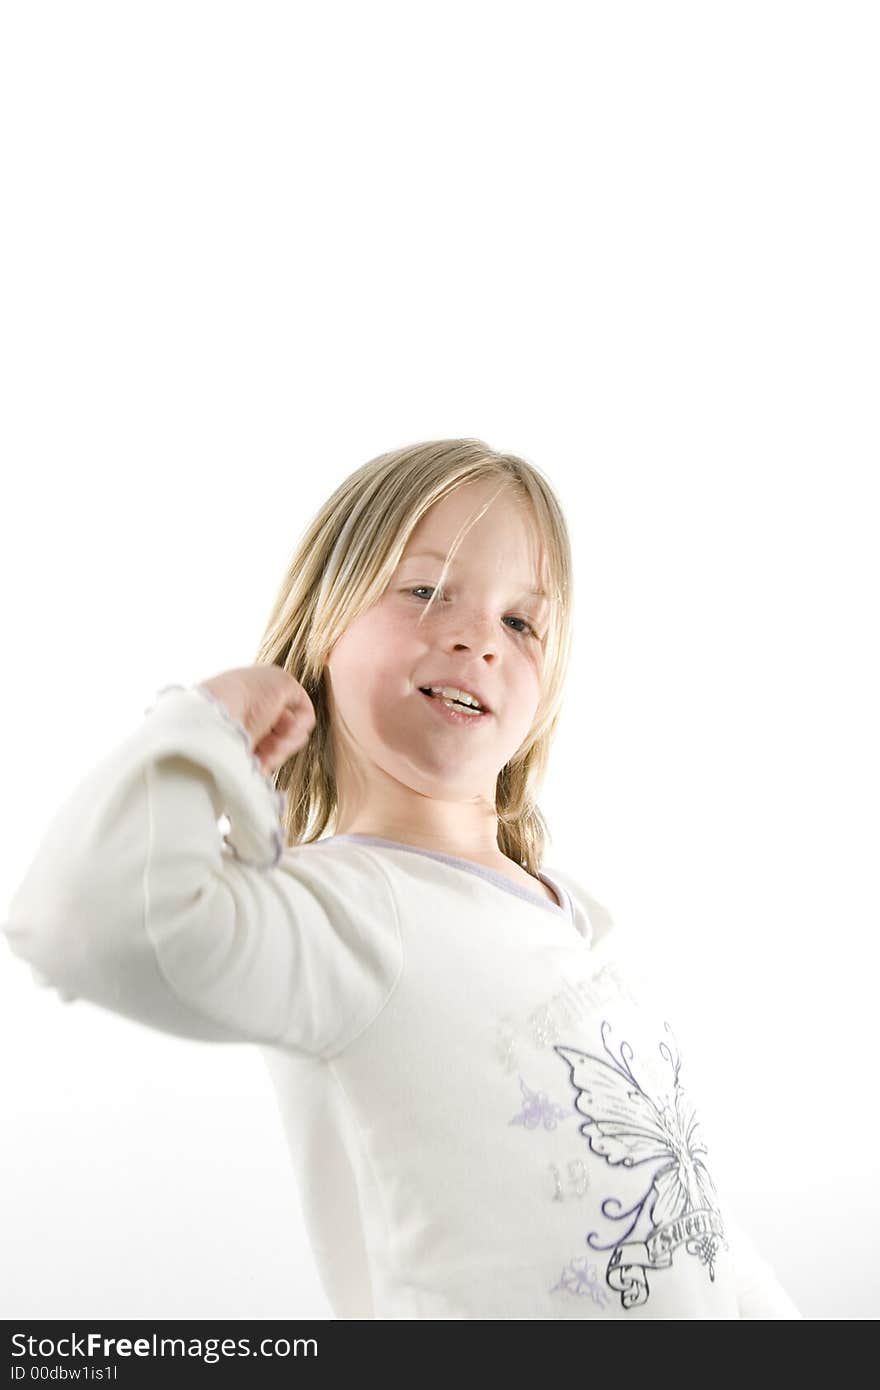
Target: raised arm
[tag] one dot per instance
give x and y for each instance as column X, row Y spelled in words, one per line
column 136, row 903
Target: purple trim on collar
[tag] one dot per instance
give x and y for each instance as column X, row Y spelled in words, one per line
column 482, row 870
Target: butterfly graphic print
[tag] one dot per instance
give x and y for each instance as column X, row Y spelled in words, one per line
column 640, row 1116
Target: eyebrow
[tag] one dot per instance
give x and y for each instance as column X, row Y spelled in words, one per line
column 440, row 555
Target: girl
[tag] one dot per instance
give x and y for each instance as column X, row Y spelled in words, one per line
column 487, row 1117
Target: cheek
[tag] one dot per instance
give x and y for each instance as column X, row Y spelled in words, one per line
column 529, row 678
column 366, row 650
column 371, row 668
column 383, row 629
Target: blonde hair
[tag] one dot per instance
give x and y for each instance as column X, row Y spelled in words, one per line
column 342, row 565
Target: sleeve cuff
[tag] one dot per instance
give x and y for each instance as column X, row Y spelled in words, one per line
column 191, row 722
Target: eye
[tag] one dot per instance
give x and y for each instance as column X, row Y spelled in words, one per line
column 522, row 633
column 528, row 625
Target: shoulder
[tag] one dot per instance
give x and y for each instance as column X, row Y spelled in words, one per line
column 585, row 902
column 345, row 886
column 349, row 869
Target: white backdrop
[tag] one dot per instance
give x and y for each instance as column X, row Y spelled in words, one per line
column 247, row 247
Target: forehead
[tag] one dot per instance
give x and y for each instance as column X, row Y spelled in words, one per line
column 504, row 540
column 529, row 586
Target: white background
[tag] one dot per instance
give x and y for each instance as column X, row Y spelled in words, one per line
column 247, row 247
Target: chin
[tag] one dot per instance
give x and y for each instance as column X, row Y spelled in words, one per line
column 444, row 777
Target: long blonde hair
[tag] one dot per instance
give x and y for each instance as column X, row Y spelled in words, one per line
column 342, row 565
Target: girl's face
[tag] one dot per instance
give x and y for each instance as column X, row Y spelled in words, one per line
column 481, row 634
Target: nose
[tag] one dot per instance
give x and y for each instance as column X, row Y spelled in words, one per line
column 474, row 632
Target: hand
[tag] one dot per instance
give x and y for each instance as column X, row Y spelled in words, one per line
column 273, row 707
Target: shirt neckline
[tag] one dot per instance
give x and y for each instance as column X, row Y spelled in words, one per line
column 566, row 910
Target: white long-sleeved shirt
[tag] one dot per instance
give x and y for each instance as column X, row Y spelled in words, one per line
column 486, row 1116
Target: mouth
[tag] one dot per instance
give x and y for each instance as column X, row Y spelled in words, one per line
column 455, row 710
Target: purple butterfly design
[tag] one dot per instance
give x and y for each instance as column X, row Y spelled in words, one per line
column 625, row 1124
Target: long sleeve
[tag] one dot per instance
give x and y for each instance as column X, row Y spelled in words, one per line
column 758, row 1290
column 136, row 903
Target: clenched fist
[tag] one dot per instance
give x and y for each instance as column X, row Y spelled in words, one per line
column 272, row 706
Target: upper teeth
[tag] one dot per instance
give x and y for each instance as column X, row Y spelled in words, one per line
column 452, row 692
